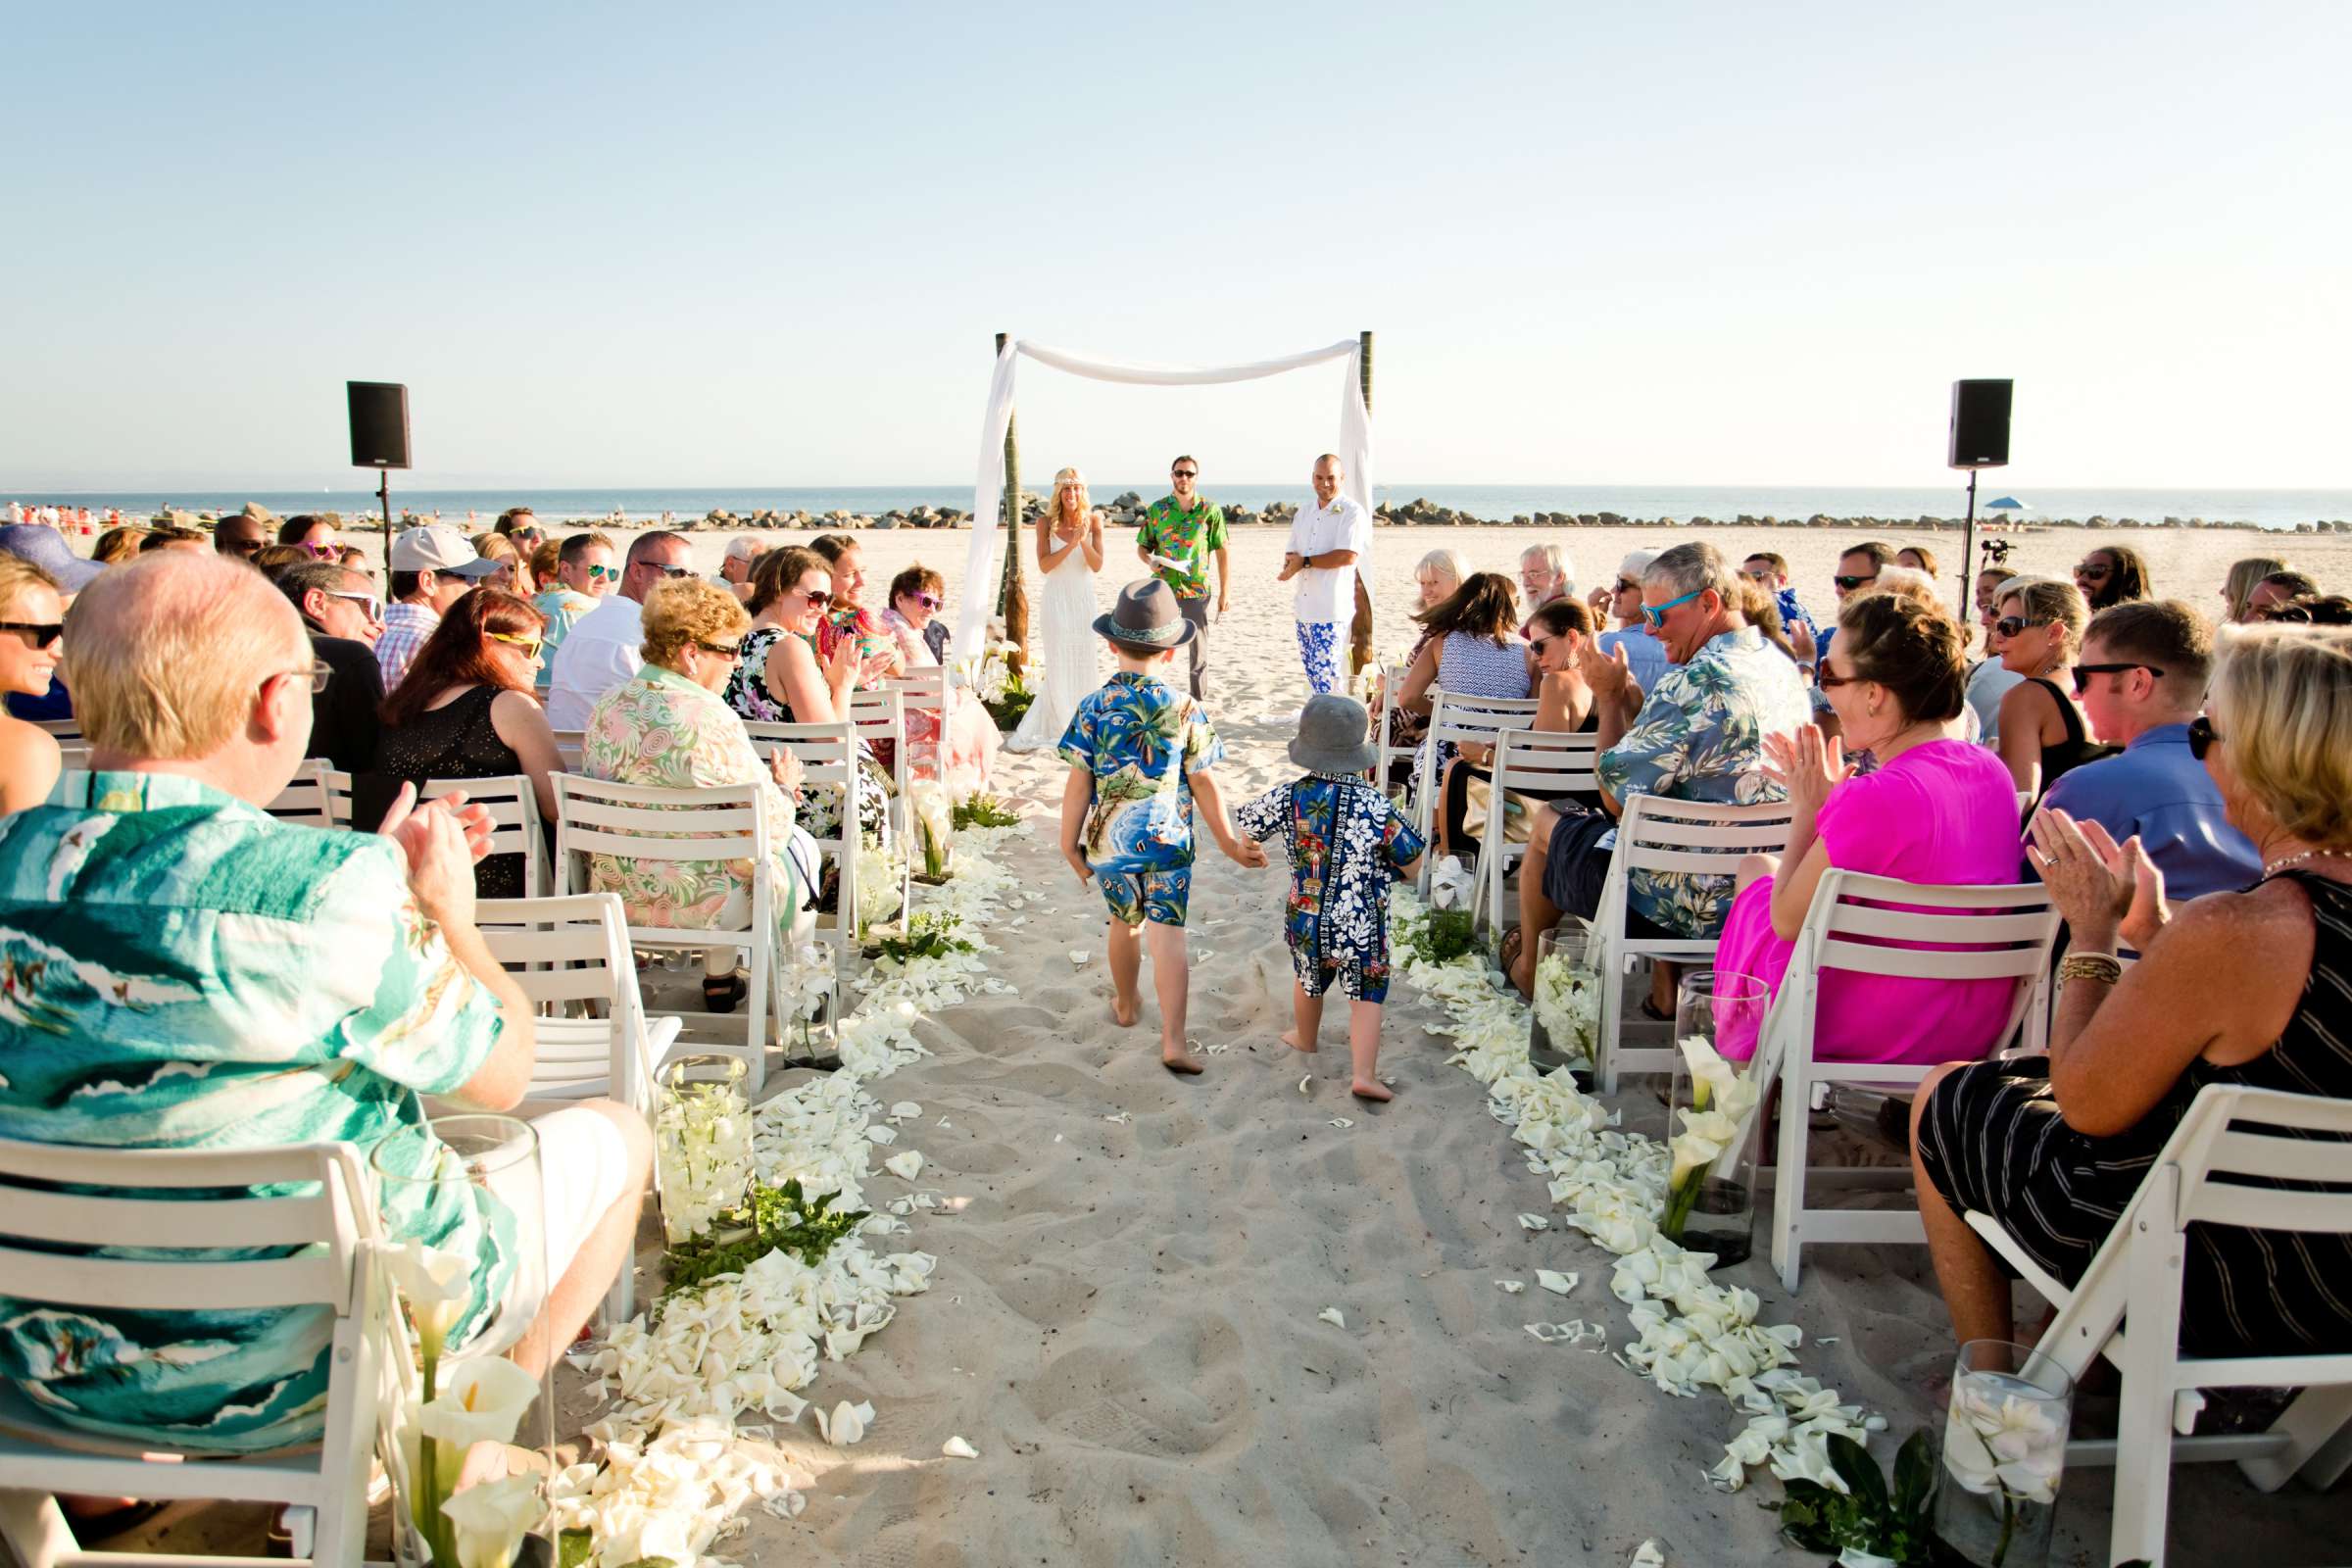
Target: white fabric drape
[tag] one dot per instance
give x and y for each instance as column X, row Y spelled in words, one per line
column 980, row 578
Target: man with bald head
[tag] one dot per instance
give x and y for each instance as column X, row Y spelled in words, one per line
column 187, row 971
column 1327, row 539
column 239, row 536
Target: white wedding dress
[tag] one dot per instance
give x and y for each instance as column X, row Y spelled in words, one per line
column 1069, row 662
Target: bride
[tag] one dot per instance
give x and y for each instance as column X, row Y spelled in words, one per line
column 1069, row 552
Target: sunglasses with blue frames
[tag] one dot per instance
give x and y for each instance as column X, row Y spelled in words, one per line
column 1655, row 614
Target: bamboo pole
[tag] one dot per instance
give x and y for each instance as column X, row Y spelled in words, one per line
column 1359, row 631
column 1012, row 594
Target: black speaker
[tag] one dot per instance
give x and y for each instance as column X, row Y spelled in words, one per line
column 379, row 424
column 1980, row 424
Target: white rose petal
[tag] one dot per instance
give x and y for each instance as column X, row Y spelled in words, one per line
column 906, row 1166
column 1513, row 1287
column 1333, row 1317
column 1079, row 956
column 1534, row 1222
column 1341, row 1122
column 1647, row 1555
column 1557, row 1284
column 1303, row 1082
column 957, row 1449
column 1122, row 1118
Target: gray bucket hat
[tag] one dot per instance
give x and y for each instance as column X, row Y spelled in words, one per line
column 1146, row 619
column 1335, row 736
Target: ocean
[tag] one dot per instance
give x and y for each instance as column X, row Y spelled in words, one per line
column 2268, row 508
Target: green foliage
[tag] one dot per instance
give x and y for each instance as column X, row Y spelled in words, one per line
column 985, row 810
column 1445, row 938
column 1010, row 709
column 1888, row 1524
column 781, row 1219
column 928, row 935
column 574, row 1548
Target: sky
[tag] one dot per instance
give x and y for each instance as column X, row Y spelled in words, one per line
column 717, row 245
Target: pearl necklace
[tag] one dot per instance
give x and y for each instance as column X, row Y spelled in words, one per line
column 2283, row 861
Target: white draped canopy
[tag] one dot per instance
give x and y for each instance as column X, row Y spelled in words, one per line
column 1354, row 446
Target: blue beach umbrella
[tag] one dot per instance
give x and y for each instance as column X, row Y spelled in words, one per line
column 2005, row 504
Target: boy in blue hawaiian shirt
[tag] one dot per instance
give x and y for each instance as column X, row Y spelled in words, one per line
column 1347, row 842
column 1139, row 751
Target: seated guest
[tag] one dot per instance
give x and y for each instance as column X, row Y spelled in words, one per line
column 289, row 985
column 2235, row 988
column 1472, row 649
column 311, row 533
column 735, row 567
column 1562, row 630
column 433, row 568
column 1918, row 558
column 340, row 612
column 511, row 573
column 578, row 580
column 172, row 536
column 1434, row 580
column 240, row 535
column 520, row 525
column 545, row 556
column 2310, row 610
column 1858, row 568
column 971, row 734
column 847, row 619
column 1988, row 680
column 1544, row 574
column 668, row 727
column 2237, row 589
column 117, row 545
column 1644, row 655
column 1935, row 810
column 2112, row 574
column 600, row 652
column 2042, row 734
column 1769, row 570
column 33, row 619
column 466, row 711
column 2142, row 679
column 46, row 549
column 2281, row 587
column 1698, row 736
column 271, row 559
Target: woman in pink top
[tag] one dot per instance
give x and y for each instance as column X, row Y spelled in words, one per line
column 1936, row 811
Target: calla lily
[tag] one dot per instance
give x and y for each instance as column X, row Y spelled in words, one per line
column 437, row 1285
column 491, row 1519
column 481, row 1402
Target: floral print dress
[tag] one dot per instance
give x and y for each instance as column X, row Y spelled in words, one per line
column 748, row 695
column 1347, row 842
column 662, row 730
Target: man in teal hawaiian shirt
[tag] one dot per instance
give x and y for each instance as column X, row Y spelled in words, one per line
column 1139, row 751
column 1180, row 532
column 180, row 969
column 1700, row 736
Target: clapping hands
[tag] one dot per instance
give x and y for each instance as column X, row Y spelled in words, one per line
column 441, row 840
column 1806, row 765
column 2101, row 887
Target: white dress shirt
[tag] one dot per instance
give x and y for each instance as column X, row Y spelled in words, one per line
column 1328, row 593
column 599, row 653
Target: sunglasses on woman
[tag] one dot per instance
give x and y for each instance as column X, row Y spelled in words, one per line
column 817, row 597
column 37, row 633
column 927, row 601
column 529, row 645
column 2012, row 626
column 2201, row 737
column 327, row 552
column 720, row 650
column 1655, row 614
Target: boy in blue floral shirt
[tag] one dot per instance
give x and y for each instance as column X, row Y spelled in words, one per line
column 1347, row 842
column 1139, row 751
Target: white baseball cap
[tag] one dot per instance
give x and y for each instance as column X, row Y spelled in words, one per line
column 434, row 548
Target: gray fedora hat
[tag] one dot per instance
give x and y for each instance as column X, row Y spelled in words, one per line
column 44, row 547
column 1146, row 617
column 1335, row 736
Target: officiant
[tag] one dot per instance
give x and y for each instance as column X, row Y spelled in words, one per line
column 1180, row 532
column 1327, row 540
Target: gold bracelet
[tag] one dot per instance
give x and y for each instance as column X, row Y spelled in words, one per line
column 2104, row 968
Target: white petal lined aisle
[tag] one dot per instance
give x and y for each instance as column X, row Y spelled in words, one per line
column 1687, row 1332
column 728, row 1360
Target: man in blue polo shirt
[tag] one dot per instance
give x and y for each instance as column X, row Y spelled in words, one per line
column 2141, row 680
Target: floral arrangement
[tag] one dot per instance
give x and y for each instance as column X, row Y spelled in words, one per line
column 933, row 817
column 877, row 885
column 2004, row 1442
column 996, row 676
column 776, row 1219
column 702, row 1146
column 1567, row 1004
column 1715, row 1120
column 984, row 810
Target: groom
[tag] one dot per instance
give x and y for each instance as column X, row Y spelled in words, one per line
column 1325, row 541
column 1180, row 532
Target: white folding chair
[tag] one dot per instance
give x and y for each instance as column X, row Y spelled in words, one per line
column 516, row 826
column 879, row 717
column 1531, row 762
column 1658, row 833
column 1457, row 718
column 571, row 957
column 2215, row 1170
column 721, row 822
column 2002, row 933
column 828, row 754
column 316, row 1238
column 924, row 690
column 1392, row 681
column 306, row 798
column 568, row 748
column 72, row 756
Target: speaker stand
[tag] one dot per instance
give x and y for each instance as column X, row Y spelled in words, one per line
column 1968, row 555
column 383, row 495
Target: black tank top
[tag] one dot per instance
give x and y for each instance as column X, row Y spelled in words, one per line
column 455, row 740
column 2077, row 748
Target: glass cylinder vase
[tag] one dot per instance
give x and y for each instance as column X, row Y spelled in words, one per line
column 2004, row 1453
column 1712, row 1128
column 701, row 1142
column 1564, row 1022
column 475, row 1181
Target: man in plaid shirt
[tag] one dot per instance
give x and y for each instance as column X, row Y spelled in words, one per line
column 432, row 568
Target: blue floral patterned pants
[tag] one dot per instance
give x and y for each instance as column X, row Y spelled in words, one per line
column 1319, row 651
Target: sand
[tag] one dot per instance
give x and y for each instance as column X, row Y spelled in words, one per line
column 1125, row 1321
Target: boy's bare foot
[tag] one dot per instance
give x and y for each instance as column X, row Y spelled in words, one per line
column 1371, row 1089
column 1180, row 1060
column 1124, row 1014
column 1290, row 1037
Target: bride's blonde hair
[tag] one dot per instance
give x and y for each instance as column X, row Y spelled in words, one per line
column 1069, row 476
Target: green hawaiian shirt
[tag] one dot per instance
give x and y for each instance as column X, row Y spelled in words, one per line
column 1190, row 537
column 181, row 970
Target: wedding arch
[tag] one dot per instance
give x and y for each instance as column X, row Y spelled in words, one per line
column 1354, row 444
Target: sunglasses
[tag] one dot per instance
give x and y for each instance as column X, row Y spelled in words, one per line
column 369, row 606
column 2013, row 626
column 1185, row 473
column 2084, row 672
column 1849, row 584
column 1538, row 645
column 818, row 597
column 1826, row 681
column 1765, row 576
column 673, row 573
column 529, row 645
column 722, row 650
column 2094, row 573
column 39, row 633
column 599, row 573
column 927, row 601
column 243, row 547
column 2201, row 737
column 327, row 552
column 1655, row 614
column 1626, row 585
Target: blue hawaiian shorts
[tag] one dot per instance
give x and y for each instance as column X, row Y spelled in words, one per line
column 1159, row 897
column 1364, row 981
column 1319, row 651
